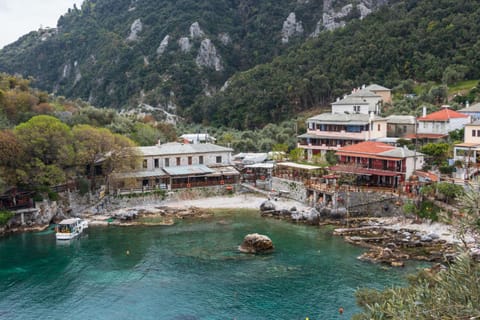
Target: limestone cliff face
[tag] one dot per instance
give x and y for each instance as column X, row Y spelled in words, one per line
column 291, row 27
column 337, row 13
column 117, row 42
column 135, row 29
column 208, row 57
column 163, row 45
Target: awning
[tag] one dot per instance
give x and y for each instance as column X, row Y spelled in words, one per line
column 188, row 170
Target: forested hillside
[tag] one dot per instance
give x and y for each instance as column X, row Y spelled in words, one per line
column 419, row 40
column 119, row 53
column 243, row 63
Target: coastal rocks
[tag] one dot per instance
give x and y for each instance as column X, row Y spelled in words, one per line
column 267, row 206
column 256, row 243
column 393, row 247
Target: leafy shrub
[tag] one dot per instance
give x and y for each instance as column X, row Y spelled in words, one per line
column 5, row 216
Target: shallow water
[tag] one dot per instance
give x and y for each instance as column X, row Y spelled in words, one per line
column 191, row 270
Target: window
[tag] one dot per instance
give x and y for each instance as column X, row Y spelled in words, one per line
column 356, row 108
column 156, row 163
column 189, row 161
column 473, row 133
column 144, row 163
column 478, row 133
column 404, row 129
column 219, row 159
column 178, row 161
column 200, row 159
column 379, row 126
column 167, row 162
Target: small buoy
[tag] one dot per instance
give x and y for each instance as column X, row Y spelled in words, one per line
column 128, row 252
column 340, row 310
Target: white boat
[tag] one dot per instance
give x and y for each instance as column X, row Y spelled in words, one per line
column 70, row 228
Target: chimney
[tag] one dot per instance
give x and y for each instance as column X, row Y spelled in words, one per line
column 338, row 99
column 467, row 104
column 159, row 142
column 424, row 111
column 363, row 86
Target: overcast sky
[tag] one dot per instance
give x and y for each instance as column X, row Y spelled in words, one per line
column 19, row 17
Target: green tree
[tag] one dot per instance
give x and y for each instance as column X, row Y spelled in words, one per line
column 296, row 154
column 48, row 150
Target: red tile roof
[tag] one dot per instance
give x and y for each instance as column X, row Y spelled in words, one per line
column 369, row 147
column 443, row 115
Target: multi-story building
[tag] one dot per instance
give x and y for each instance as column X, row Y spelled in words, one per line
column 399, row 126
column 378, row 164
column 180, row 165
column 441, row 122
column 472, row 110
column 366, row 100
column 329, row 131
column 467, row 153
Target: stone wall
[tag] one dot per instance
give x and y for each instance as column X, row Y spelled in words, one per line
column 290, row 189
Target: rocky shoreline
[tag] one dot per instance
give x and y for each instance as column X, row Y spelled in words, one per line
column 389, row 241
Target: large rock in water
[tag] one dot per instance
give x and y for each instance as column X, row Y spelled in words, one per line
column 255, row 243
column 267, row 206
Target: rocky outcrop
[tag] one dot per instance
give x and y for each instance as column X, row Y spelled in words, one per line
column 184, row 44
column 256, row 243
column 394, row 246
column 195, row 31
column 163, row 45
column 291, row 27
column 224, row 38
column 135, row 29
column 208, row 57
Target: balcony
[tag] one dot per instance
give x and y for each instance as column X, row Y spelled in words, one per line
column 362, row 135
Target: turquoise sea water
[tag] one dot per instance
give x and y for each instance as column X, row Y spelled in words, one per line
column 188, row 271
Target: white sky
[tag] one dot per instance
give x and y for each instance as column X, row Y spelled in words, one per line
column 19, row 17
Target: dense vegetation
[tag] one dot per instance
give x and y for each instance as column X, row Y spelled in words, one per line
column 419, row 41
column 89, row 56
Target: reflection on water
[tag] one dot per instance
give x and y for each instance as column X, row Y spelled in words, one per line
column 191, row 270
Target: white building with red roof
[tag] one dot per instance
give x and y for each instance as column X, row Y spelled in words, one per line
column 441, row 122
column 377, row 163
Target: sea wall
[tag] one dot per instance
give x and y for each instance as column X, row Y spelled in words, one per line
column 290, row 189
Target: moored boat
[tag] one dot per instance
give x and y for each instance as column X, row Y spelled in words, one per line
column 70, row 228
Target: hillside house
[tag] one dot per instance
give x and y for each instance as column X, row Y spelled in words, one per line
column 197, row 138
column 399, row 126
column 467, row 153
column 377, row 164
column 179, row 165
column 438, row 124
column 365, row 100
column 473, row 111
column 332, row 131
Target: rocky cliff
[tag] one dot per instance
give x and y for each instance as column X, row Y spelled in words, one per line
column 122, row 53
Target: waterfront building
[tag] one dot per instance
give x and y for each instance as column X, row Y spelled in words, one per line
column 180, row 165
column 377, row 164
column 330, row 131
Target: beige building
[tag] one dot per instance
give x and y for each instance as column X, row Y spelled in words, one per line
column 467, row 153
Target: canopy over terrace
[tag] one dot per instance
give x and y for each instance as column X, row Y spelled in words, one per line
column 296, row 171
column 201, row 176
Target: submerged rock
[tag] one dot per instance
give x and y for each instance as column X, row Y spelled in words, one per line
column 256, row 243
